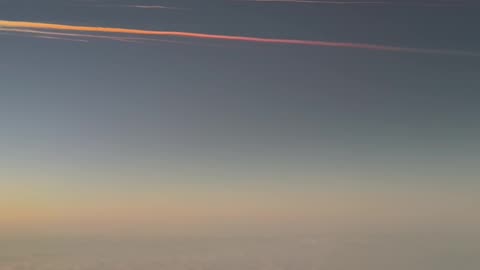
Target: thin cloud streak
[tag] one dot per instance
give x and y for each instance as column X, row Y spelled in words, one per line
column 376, row 3
column 316, row 43
column 60, row 38
column 322, row 2
column 139, row 6
column 45, row 36
column 37, row 33
column 149, row 7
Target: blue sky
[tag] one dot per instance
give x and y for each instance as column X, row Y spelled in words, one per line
column 102, row 112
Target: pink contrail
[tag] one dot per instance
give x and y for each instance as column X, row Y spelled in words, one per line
column 97, row 29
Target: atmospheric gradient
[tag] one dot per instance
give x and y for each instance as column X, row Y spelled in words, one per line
column 239, row 134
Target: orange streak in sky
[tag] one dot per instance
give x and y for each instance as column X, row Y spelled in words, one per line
column 375, row 47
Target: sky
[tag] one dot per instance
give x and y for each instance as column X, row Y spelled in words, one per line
column 252, row 116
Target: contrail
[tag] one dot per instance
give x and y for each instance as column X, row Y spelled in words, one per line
column 113, row 30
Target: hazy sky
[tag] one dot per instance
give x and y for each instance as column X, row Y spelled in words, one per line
column 284, row 114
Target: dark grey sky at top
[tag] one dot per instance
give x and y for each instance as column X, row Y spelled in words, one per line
column 242, row 98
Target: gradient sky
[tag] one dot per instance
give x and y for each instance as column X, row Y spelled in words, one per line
column 293, row 114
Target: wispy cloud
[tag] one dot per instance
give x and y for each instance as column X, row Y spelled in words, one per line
column 321, row 2
column 22, row 25
column 376, row 3
column 58, row 35
column 60, row 38
column 139, row 6
column 150, row 7
column 129, row 39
